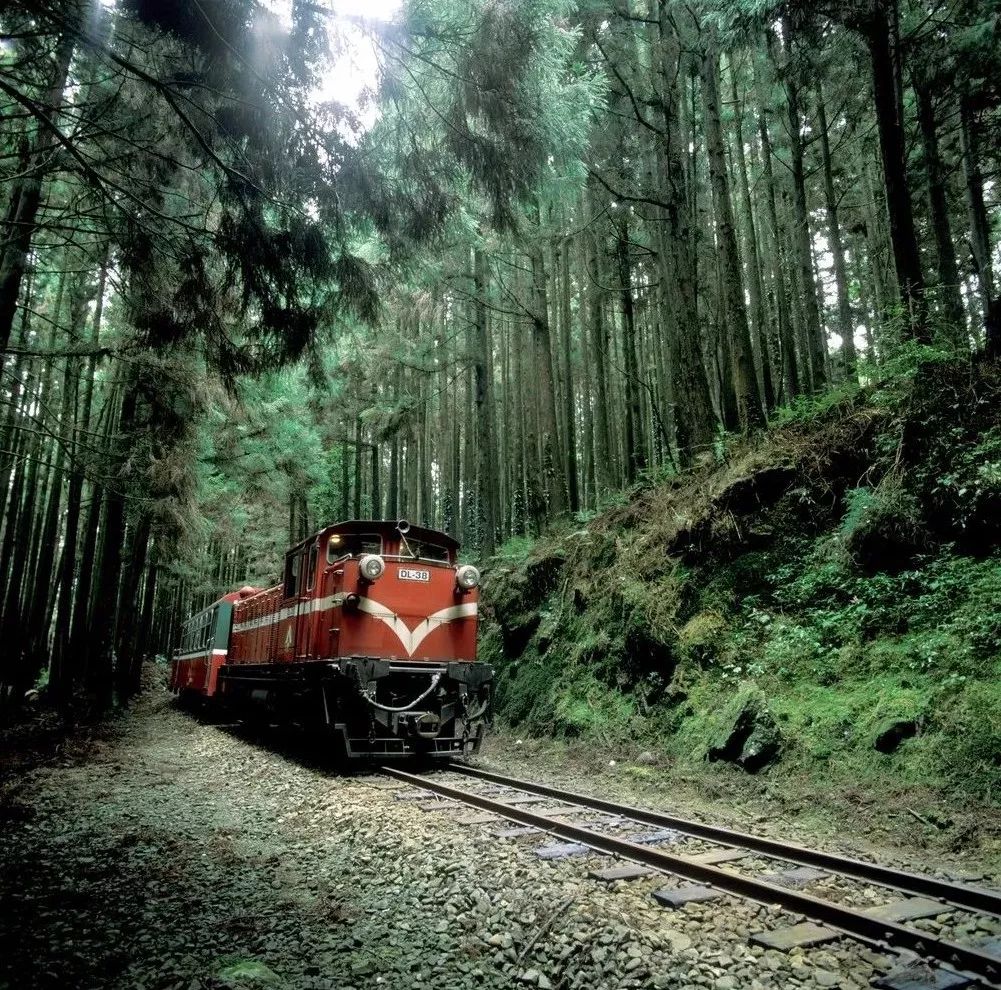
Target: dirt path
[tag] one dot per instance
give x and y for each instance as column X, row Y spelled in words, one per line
column 183, row 855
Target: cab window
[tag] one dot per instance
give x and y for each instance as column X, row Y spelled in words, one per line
column 311, row 568
column 352, row 545
column 291, row 574
column 427, row 551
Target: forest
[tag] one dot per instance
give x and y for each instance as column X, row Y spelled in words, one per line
column 547, row 253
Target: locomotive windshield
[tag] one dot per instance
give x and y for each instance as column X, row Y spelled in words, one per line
column 421, row 549
column 352, row 545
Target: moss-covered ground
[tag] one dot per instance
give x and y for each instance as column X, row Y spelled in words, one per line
column 822, row 606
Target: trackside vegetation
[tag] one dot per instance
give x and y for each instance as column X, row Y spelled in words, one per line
column 822, row 602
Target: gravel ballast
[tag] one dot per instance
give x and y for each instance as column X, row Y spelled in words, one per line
column 184, row 855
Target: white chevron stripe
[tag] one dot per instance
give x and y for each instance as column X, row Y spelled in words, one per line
column 409, row 639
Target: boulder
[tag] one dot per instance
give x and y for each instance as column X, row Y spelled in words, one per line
column 514, row 597
column 892, row 734
column 748, row 735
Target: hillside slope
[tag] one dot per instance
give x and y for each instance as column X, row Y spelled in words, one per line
column 826, row 603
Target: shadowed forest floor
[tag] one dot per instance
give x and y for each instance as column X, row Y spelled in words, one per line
column 162, row 852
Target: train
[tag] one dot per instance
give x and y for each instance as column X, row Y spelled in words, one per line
column 370, row 638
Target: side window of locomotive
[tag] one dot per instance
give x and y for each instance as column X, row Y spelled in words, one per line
column 311, row 568
column 291, row 574
column 428, row 551
column 305, row 578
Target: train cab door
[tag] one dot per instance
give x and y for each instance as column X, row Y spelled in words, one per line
column 331, row 578
column 294, row 628
column 304, row 605
column 287, row 627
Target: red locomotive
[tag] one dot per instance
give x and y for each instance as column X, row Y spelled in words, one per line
column 371, row 634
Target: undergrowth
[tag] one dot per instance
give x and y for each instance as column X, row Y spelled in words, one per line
column 838, row 579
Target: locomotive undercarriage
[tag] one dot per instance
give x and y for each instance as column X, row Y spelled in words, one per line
column 373, row 707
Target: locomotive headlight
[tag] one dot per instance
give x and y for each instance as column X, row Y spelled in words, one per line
column 467, row 577
column 371, row 566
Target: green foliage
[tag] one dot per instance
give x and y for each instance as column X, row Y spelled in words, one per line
column 900, row 365
column 515, row 548
column 839, row 639
column 808, row 408
column 658, row 474
column 971, row 737
column 248, row 973
column 585, row 706
column 973, row 481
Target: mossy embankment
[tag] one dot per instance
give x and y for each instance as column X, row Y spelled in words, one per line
column 824, row 603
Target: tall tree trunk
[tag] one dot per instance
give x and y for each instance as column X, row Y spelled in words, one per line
column 846, row 326
column 104, row 614
column 553, row 480
column 143, row 642
column 455, row 465
column 634, row 444
column 127, row 632
column 569, row 395
column 597, row 341
column 345, row 478
column 28, row 194
column 880, row 256
column 783, row 318
column 588, row 410
column 38, row 616
column 980, row 230
column 392, row 494
column 483, row 391
column 357, row 472
column 695, row 421
column 745, row 381
column 903, row 236
column 377, row 512
column 759, row 322
column 863, row 278
column 813, row 333
column 938, row 207
column 376, row 476
column 62, row 680
column 519, row 493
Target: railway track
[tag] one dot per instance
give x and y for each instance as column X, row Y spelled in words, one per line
column 882, row 926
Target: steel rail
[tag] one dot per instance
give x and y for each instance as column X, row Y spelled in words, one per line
column 963, row 896
column 853, row 923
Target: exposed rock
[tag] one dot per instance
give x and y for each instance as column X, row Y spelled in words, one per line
column 891, row 736
column 512, row 597
column 703, row 635
column 748, row 736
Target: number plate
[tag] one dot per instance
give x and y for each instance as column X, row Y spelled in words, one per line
column 414, row 574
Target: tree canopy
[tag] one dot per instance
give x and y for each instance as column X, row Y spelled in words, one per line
column 562, row 249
